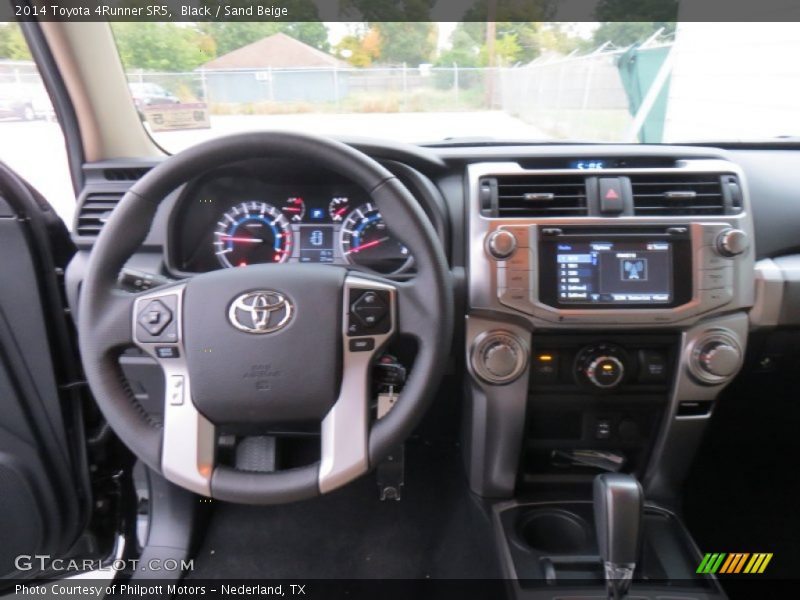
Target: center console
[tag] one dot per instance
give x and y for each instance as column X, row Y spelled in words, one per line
column 607, row 310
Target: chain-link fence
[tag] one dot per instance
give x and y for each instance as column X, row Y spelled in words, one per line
column 22, row 94
column 570, row 98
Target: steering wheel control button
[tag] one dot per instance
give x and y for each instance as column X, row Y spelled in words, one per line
column 499, row 357
column 155, row 317
column 156, row 322
column 361, row 345
column 167, row 352
column 368, row 312
column 501, row 244
column 176, row 392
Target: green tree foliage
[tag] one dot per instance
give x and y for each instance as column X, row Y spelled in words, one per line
column 409, row 42
column 162, row 46
column 514, row 42
column 12, row 43
column 232, row 35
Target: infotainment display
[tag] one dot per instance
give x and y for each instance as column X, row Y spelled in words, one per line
column 601, row 272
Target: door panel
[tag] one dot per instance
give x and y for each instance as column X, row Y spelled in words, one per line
column 44, row 494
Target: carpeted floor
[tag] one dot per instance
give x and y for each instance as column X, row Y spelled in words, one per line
column 438, row 530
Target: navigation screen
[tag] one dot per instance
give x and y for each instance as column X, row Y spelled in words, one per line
column 614, row 272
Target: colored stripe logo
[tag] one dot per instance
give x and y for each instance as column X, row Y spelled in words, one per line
column 733, row 563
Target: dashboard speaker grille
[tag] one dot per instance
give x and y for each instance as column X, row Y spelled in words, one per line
column 94, row 212
column 541, row 196
column 678, row 194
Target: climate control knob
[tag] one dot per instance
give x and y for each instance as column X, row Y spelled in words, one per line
column 716, row 357
column 499, row 357
column 732, row 242
column 719, row 359
column 605, row 371
column 601, row 366
column 501, row 244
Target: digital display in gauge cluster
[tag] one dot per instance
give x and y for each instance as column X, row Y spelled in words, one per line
column 308, row 228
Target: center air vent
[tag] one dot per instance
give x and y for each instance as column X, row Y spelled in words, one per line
column 125, row 173
column 540, row 195
column 679, row 194
column 94, row 212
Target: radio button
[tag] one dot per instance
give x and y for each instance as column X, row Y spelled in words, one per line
column 709, row 258
column 517, row 262
column 517, row 299
column 501, row 244
column 521, row 234
column 714, row 298
column 711, row 232
column 714, row 279
column 513, row 279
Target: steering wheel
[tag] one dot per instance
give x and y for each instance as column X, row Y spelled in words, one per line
column 264, row 344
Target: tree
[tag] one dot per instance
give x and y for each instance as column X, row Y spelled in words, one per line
column 12, row 42
column 406, row 42
column 162, row 46
column 360, row 50
column 230, row 35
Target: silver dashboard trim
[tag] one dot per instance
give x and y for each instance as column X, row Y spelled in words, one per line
column 483, row 274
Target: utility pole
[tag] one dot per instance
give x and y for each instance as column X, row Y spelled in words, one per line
column 491, row 35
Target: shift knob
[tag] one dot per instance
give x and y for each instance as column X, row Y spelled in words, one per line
column 618, row 503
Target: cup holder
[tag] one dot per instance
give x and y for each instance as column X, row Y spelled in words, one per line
column 555, row 531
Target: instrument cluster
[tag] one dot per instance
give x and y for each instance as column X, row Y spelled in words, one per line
column 230, row 221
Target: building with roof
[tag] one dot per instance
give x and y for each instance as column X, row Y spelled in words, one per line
column 277, row 68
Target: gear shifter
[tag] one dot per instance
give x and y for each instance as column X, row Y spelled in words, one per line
column 618, row 519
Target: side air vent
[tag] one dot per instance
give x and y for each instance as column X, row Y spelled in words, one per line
column 94, row 212
column 541, row 196
column 679, row 194
column 125, row 174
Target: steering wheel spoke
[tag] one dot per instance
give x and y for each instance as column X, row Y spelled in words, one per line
column 369, row 322
column 189, row 439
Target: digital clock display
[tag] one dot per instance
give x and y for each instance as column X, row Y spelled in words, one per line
column 588, row 165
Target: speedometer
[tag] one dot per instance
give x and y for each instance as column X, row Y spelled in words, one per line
column 251, row 233
column 366, row 241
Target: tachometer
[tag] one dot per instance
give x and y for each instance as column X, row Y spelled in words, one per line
column 294, row 208
column 366, row 241
column 251, row 233
column 338, row 208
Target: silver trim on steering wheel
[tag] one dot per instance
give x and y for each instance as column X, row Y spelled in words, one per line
column 189, row 441
column 345, row 429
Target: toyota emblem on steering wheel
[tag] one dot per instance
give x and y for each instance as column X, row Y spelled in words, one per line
column 260, row 312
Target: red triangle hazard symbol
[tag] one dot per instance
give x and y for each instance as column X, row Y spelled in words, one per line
column 612, row 194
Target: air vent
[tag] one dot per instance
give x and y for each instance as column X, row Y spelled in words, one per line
column 125, row 174
column 541, row 196
column 678, row 194
column 94, row 212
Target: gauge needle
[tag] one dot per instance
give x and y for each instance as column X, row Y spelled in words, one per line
column 292, row 209
column 241, row 240
column 367, row 245
column 340, row 212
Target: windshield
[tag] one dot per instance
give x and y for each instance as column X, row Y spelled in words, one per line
column 429, row 82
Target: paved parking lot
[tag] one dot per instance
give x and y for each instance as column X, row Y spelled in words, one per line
column 35, row 149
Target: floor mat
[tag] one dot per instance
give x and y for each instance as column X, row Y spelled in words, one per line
column 438, row 530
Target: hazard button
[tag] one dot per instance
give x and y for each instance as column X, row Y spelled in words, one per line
column 611, row 195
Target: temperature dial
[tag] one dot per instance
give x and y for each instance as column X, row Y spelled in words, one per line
column 601, row 366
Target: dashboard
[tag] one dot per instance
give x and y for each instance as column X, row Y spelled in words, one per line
column 609, row 293
column 239, row 217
